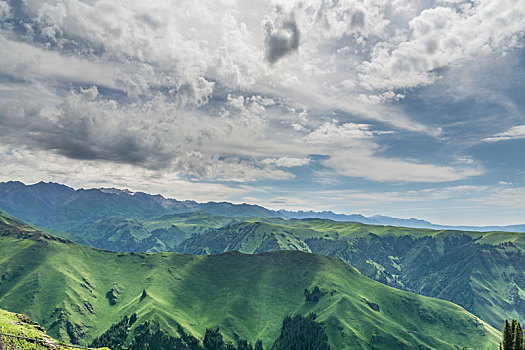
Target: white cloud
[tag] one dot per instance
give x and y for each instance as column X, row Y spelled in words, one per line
column 360, row 163
column 286, row 162
column 5, row 11
column 353, row 152
column 515, row 132
column 441, row 36
column 332, row 133
column 30, row 63
column 46, row 166
column 502, row 195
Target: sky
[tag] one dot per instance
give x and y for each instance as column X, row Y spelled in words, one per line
column 393, row 107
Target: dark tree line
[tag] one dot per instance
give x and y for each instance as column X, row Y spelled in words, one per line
column 297, row 333
column 512, row 336
column 213, row 340
column 149, row 336
column 302, row 333
column 115, row 336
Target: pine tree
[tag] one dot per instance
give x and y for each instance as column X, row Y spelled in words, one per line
column 144, row 294
column 518, row 338
column 258, row 345
column 244, row 345
column 507, row 336
column 132, row 319
column 301, row 333
column 213, row 339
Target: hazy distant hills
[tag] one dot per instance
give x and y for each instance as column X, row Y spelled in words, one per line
column 60, row 207
column 63, row 208
column 390, row 221
column 373, row 220
column 77, row 292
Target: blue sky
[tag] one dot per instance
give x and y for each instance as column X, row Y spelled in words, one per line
column 401, row 108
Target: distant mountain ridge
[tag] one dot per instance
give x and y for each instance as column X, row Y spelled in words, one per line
column 370, row 220
column 61, row 207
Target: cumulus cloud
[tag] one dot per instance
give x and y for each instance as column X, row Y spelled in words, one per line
column 286, row 162
column 157, row 135
column 515, row 132
column 439, row 37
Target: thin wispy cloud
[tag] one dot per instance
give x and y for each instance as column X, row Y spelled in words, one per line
column 516, row 132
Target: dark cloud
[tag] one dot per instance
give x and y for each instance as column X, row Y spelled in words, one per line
column 79, row 130
column 281, row 41
column 358, row 20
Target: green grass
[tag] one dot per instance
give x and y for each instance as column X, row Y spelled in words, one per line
column 63, row 286
column 483, row 272
column 22, row 326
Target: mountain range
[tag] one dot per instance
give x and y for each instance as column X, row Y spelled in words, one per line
column 480, row 271
column 78, row 292
column 61, row 207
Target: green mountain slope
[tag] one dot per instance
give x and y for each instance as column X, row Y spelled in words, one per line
column 77, row 292
column 482, row 272
column 21, row 333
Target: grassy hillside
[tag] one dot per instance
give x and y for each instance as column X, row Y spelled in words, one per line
column 483, row 272
column 158, row 234
column 23, row 327
column 77, row 292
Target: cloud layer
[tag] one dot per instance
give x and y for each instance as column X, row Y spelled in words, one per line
column 242, row 93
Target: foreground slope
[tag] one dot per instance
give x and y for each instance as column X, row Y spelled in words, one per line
column 21, row 333
column 77, row 292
